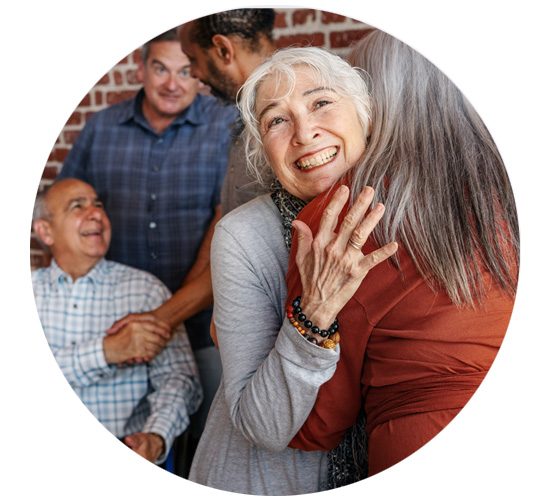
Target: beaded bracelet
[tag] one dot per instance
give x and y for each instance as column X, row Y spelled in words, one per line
column 331, row 335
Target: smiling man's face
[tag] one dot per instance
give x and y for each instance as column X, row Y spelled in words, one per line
column 77, row 230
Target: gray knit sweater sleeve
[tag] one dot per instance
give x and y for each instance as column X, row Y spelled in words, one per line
column 271, row 374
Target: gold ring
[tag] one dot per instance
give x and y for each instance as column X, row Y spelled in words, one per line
column 354, row 244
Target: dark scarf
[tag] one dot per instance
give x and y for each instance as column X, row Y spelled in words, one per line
column 347, row 463
column 289, row 207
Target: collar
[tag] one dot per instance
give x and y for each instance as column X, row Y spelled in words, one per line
column 95, row 276
column 193, row 115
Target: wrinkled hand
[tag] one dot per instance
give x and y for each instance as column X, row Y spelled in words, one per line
column 332, row 265
column 149, row 446
column 139, row 341
column 146, row 316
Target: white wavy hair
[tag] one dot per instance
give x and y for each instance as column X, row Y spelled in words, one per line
column 331, row 72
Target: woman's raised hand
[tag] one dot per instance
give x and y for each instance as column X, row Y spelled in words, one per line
column 332, row 265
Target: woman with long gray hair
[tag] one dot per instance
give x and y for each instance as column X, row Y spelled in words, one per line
column 424, row 328
column 306, row 113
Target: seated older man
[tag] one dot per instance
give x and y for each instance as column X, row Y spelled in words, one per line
column 141, row 383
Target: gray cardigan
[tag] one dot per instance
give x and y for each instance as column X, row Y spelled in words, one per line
column 271, row 376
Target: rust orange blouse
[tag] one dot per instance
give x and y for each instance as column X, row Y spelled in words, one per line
column 409, row 355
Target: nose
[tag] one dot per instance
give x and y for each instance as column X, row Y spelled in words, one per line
column 95, row 213
column 171, row 82
column 305, row 130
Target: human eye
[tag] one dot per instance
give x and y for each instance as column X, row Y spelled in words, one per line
column 275, row 121
column 100, row 205
column 321, row 103
column 185, row 72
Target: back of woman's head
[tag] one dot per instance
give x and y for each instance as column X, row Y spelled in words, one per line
column 434, row 164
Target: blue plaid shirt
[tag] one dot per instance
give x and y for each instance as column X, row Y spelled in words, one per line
column 148, row 397
column 160, row 190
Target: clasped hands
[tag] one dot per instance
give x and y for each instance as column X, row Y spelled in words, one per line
column 136, row 338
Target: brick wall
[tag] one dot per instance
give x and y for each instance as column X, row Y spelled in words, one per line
column 292, row 27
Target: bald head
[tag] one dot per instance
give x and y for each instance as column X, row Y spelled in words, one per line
column 71, row 221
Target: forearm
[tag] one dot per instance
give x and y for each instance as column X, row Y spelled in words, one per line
column 196, row 291
column 83, row 364
column 177, row 391
column 278, row 398
column 188, row 300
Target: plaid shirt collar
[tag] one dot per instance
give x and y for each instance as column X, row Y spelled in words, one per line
column 96, row 276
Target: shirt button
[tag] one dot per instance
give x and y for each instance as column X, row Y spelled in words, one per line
column 155, row 168
column 153, row 255
column 152, row 225
column 160, row 140
column 153, row 196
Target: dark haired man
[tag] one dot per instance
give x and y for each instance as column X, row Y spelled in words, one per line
column 223, row 50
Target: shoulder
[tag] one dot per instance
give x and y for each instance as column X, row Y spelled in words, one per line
column 123, row 276
column 253, row 232
column 213, row 110
column 259, row 214
column 112, row 114
column 40, row 276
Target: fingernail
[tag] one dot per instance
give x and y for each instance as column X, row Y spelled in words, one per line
column 379, row 207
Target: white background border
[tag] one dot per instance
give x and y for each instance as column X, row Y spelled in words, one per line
column 53, row 52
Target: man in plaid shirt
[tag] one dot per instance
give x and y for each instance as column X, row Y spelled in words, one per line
column 141, row 382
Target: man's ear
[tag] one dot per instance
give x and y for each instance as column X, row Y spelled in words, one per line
column 224, row 48
column 43, row 229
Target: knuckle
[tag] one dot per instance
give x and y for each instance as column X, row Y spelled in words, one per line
column 360, row 234
column 349, row 219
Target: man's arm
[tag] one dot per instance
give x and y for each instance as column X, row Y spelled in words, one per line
column 195, row 294
column 176, row 391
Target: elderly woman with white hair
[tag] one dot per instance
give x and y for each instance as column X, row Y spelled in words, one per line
column 306, row 113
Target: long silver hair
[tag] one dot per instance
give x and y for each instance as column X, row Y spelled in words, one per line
column 330, row 71
column 433, row 163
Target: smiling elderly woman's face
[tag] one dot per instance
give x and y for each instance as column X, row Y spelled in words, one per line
column 311, row 136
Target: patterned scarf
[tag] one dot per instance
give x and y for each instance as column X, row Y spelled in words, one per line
column 348, row 462
column 289, row 207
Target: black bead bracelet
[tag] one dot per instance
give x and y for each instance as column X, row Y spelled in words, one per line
column 295, row 315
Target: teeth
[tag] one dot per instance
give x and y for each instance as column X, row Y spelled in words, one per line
column 318, row 160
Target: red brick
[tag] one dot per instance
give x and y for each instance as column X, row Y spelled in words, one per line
column 61, row 154
column 35, row 244
column 313, row 39
column 49, row 173
column 118, row 78
column 75, row 118
column 104, row 80
column 69, row 136
column 58, row 153
column 301, row 16
column 132, row 77
column 86, row 101
column 329, row 18
column 125, row 60
column 280, row 21
column 346, row 38
column 116, row 97
column 98, row 98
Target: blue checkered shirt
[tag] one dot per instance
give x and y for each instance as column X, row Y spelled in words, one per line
column 159, row 191
column 148, row 397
